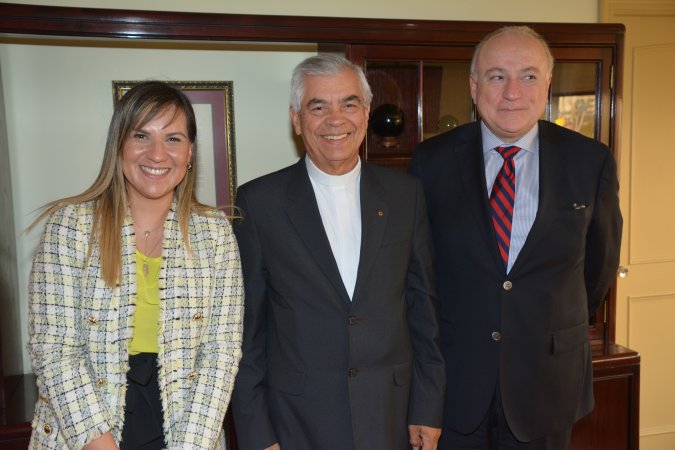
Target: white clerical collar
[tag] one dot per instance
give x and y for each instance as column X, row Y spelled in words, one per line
column 321, row 177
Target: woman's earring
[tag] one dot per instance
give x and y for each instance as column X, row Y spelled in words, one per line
column 189, row 166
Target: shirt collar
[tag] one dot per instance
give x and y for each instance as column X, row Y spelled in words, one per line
column 528, row 142
column 321, row 177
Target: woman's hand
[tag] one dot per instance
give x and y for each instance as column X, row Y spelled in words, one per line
column 103, row 442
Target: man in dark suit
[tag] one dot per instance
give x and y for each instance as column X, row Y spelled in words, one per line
column 340, row 344
column 526, row 228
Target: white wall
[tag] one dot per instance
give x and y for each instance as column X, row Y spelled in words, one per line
column 56, row 138
column 58, row 104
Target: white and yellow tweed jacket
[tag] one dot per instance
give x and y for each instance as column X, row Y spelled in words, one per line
column 80, row 331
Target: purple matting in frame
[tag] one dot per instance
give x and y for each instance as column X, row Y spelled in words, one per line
column 218, row 95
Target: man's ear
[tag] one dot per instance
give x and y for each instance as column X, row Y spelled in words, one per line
column 295, row 118
column 472, row 86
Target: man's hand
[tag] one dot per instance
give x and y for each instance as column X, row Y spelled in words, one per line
column 423, row 438
column 274, row 446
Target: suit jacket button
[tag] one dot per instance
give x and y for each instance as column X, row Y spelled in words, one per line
column 101, row 382
column 507, row 285
column 47, row 429
column 353, row 320
column 353, row 372
column 198, row 316
column 496, row 336
column 92, row 320
column 192, row 375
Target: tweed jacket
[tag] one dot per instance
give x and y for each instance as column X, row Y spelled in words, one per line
column 80, row 331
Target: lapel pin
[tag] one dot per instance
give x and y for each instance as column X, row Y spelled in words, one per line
column 578, row 206
column 380, row 213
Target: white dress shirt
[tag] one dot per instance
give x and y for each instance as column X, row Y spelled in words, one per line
column 526, row 202
column 339, row 200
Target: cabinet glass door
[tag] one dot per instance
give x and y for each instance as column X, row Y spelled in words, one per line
column 418, row 92
column 574, row 99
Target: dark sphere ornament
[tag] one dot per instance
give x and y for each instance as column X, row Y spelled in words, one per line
column 387, row 120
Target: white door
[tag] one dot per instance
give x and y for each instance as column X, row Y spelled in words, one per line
column 646, row 296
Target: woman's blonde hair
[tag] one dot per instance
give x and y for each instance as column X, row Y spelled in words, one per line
column 136, row 108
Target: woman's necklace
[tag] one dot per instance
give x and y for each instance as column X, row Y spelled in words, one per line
column 147, row 254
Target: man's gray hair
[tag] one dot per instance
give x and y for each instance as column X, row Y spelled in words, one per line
column 325, row 64
column 517, row 29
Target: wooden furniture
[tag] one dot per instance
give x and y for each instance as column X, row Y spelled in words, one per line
column 613, row 423
column 20, row 396
column 416, row 52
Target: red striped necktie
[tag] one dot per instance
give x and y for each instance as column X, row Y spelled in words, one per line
column 502, row 198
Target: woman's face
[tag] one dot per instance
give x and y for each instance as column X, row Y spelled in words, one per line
column 155, row 158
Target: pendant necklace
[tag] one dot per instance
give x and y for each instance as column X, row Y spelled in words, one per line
column 145, row 258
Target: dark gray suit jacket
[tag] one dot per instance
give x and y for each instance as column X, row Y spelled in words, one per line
column 543, row 359
column 320, row 371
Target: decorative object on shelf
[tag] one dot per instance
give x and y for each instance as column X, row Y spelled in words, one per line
column 446, row 123
column 387, row 122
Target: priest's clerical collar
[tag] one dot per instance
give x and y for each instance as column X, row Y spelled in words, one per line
column 322, row 177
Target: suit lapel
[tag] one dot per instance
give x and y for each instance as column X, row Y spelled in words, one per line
column 548, row 161
column 303, row 212
column 469, row 153
column 374, row 216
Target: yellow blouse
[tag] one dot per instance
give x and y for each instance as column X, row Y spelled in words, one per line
column 146, row 316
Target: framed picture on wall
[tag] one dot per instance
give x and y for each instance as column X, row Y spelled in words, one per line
column 215, row 148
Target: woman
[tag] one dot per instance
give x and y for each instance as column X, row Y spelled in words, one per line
column 136, row 295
